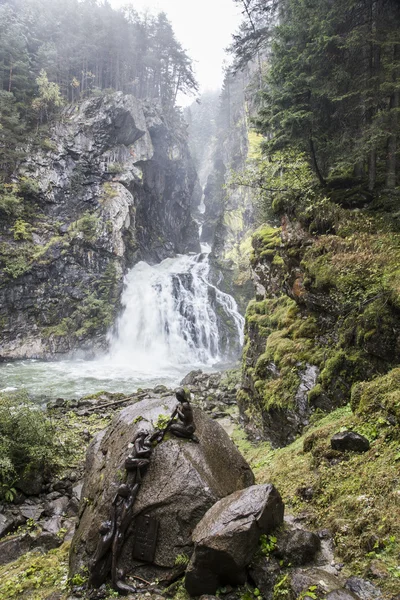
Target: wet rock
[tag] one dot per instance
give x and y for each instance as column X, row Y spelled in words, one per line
column 227, row 537
column 31, row 483
column 191, row 377
column 113, row 219
column 57, row 507
column 297, row 546
column 183, row 481
column 31, row 510
column 349, row 440
column 52, row 525
column 300, row 580
column 341, row 595
column 15, row 546
column 264, row 572
column 7, row 524
column 365, row 590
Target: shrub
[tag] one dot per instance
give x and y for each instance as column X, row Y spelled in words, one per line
column 27, row 441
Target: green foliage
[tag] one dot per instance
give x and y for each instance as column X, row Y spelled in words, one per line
column 316, row 97
column 379, row 396
column 21, row 230
column 10, row 201
column 267, row 544
column 27, row 441
column 181, row 560
column 108, row 192
column 49, row 98
column 278, row 180
column 115, row 167
column 162, row 421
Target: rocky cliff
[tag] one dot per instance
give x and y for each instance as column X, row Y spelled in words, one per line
column 221, row 150
column 111, row 184
column 326, row 318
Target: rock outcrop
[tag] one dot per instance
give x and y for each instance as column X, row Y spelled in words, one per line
column 183, row 481
column 111, row 185
column 317, row 325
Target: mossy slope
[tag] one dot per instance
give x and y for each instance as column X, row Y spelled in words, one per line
column 326, row 301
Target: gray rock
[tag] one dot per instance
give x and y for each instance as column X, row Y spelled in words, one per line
column 125, row 169
column 7, row 524
column 365, row 590
column 14, row 547
column 341, row 595
column 57, row 507
column 349, row 440
column 264, row 572
column 31, row 511
column 227, row 537
column 301, row 579
column 297, row 546
column 31, row 483
column 17, row 545
column 52, row 525
column 191, row 377
column 183, row 481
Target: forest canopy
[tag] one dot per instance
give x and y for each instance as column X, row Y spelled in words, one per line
column 55, row 51
column 329, row 83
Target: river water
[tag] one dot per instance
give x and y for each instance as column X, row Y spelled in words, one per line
column 171, row 324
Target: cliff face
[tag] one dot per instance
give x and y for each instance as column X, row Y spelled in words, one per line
column 326, row 317
column 223, row 148
column 111, row 185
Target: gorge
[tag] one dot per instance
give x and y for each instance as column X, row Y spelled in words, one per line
column 246, row 248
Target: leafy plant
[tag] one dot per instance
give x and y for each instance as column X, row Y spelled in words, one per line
column 27, row 442
column 267, row 544
column 182, row 560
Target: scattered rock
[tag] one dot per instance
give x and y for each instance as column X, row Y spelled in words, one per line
column 264, row 572
column 7, row 524
column 341, row 595
column 297, row 546
column 349, row 440
column 365, row 590
column 300, row 580
column 227, row 537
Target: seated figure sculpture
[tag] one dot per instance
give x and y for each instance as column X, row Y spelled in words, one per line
column 185, row 426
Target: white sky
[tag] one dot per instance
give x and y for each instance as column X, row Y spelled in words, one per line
column 203, row 27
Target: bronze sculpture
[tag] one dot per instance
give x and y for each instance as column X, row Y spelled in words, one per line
column 112, row 532
column 185, row 426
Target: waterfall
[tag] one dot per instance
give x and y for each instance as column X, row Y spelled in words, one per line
column 173, row 315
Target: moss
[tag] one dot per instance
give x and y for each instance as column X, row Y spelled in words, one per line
column 35, row 575
column 359, row 495
column 381, row 396
column 109, row 192
column 21, row 230
column 266, row 238
column 87, row 226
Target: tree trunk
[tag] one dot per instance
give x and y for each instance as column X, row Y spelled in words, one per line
column 315, row 163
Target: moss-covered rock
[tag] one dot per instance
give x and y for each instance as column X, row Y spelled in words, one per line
column 328, row 301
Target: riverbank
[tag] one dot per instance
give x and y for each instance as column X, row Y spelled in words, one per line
column 339, row 495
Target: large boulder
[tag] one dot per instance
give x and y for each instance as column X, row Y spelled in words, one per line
column 227, row 537
column 183, row 481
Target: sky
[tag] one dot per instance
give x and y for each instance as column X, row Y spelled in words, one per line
column 204, row 29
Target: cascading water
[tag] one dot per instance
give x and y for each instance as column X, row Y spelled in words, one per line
column 173, row 316
column 174, row 320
